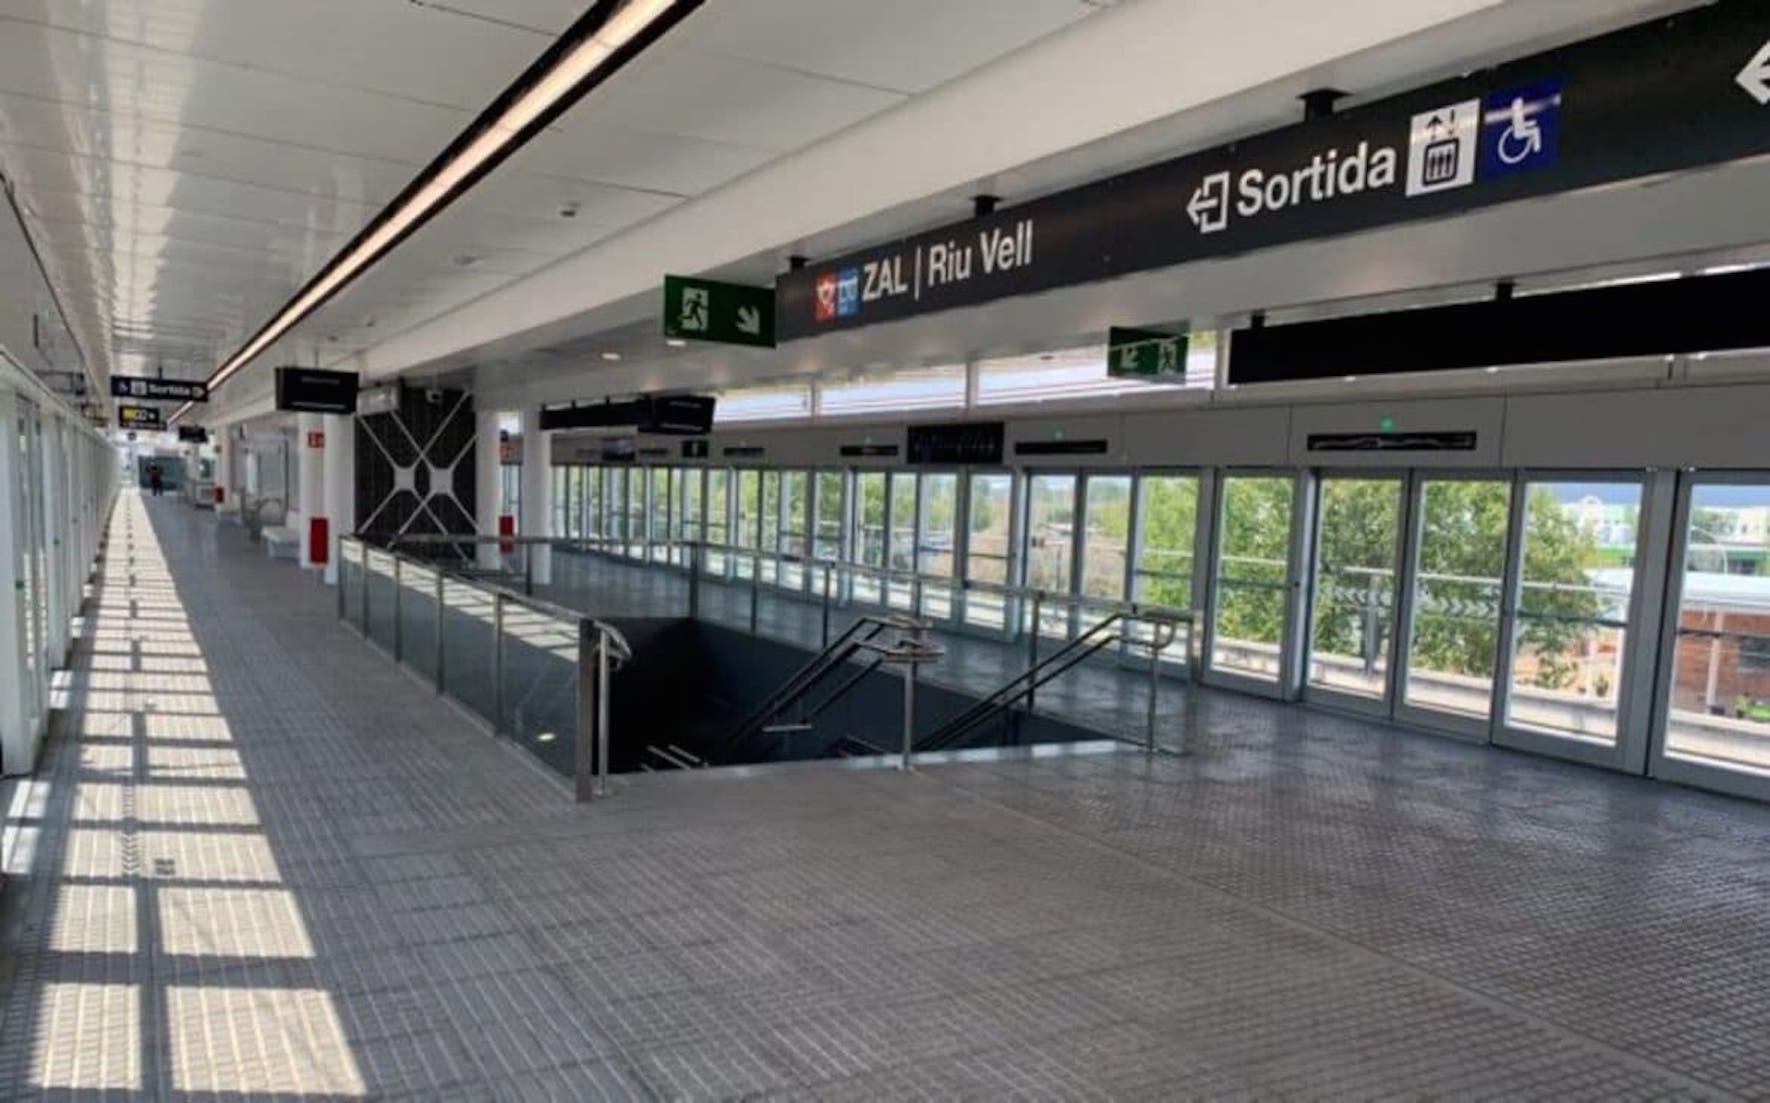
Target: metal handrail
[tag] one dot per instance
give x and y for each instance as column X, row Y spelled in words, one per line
column 538, row 604
column 602, row 648
column 858, row 636
column 1075, row 651
column 1141, row 609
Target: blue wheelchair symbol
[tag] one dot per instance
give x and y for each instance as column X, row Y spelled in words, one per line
column 1521, row 129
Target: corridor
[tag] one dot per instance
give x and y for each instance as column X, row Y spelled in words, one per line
column 261, row 861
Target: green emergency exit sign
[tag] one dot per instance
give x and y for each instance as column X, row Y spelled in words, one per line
column 1144, row 353
column 725, row 313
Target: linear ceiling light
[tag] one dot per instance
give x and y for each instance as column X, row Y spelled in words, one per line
column 604, row 39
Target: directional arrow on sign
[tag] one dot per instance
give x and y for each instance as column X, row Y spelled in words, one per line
column 1209, row 206
column 1755, row 77
column 749, row 321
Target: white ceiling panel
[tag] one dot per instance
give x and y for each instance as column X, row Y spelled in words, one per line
column 720, row 99
column 186, row 165
column 906, row 46
column 351, row 44
column 594, row 145
column 550, row 17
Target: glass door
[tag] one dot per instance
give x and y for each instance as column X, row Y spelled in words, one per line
column 689, row 529
column 869, row 535
column 660, row 533
column 592, row 503
column 989, row 535
column 768, row 519
column 1252, row 588
column 615, row 528
column 1106, row 540
column 638, row 499
column 1570, row 629
column 829, row 505
column 937, row 541
column 749, row 520
column 1050, row 546
column 900, row 522
column 1164, row 567
column 795, row 531
column 28, row 559
column 719, row 481
column 1713, row 721
column 1352, row 606
column 1451, row 646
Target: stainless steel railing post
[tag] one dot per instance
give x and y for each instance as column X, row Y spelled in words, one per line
column 363, row 597
column 826, row 613
column 528, row 569
column 909, row 716
column 498, row 663
column 694, row 580
column 1155, row 658
column 585, row 764
column 1032, row 641
column 439, row 629
column 398, row 633
column 602, row 712
column 755, row 589
column 342, row 580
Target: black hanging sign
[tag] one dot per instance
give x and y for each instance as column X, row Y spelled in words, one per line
column 312, row 391
column 193, row 434
column 1667, row 96
column 143, row 389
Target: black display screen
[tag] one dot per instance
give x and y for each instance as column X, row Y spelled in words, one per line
column 965, row 442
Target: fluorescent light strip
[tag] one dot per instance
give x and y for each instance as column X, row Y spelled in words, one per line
column 558, row 82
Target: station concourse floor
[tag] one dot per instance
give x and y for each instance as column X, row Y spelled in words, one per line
column 261, row 861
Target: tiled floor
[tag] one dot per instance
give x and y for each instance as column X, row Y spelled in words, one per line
column 269, row 864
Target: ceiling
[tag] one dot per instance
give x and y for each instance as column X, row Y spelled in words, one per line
column 185, row 165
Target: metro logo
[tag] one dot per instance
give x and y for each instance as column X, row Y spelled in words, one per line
column 825, row 304
column 848, row 293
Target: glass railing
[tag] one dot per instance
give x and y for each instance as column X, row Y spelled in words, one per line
column 536, row 673
column 739, row 587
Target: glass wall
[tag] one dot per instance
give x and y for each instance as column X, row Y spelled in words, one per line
column 828, row 510
column 988, row 555
column 937, row 542
column 1167, row 531
column 1106, row 538
column 1459, row 564
column 689, row 528
column 1571, row 607
column 901, row 542
column 1357, row 566
column 1253, row 572
column 593, row 525
column 794, row 531
column 749, row 519
column 768, row 524
column 869, row 534
column 719, row 503
column 1050, row 545
column 1718, row 708
column 661, row 532
column 638, row 498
